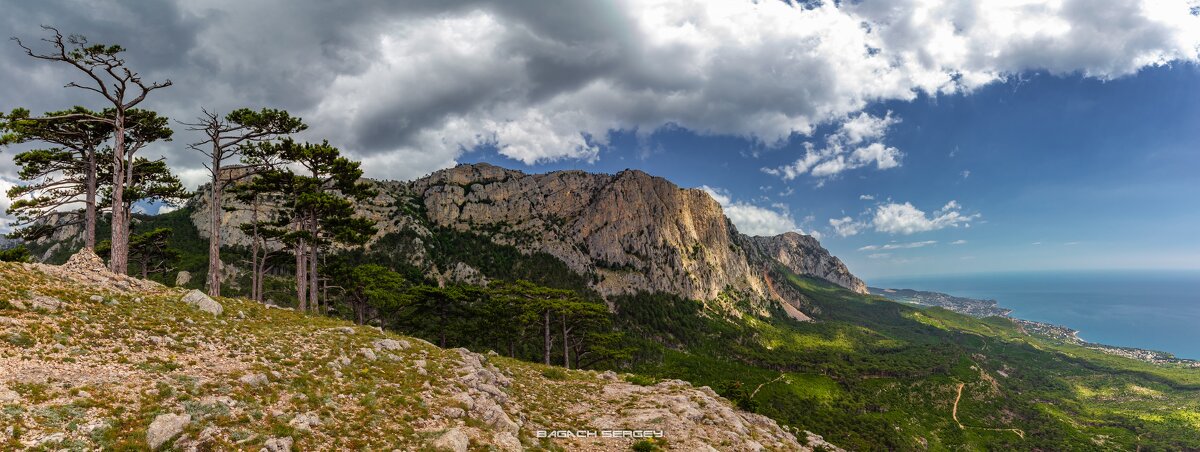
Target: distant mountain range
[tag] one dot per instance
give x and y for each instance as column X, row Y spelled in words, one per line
column 6, row 243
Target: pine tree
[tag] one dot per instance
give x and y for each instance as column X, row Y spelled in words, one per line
column 225, row 138
column 122, row 88
column 319, row 205
column 151, row 252
column 59, row 178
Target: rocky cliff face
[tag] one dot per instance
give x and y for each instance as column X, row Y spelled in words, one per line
column 630, row 231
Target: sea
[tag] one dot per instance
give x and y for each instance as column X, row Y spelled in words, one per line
column 1157, row 310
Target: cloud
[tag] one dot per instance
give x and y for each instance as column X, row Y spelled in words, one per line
column 751, row 219
column 6, row 220
column 959, row 242
column 846, row 226
column 906, row 219
column 965, row 174
column 855, row 145
column 410, row 87
column 899, row 246
column 866, row 197
column 879, row 256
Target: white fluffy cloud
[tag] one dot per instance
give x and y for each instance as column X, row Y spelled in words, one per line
column 959, row 242
column 855, row 145
column 894, row 218
column 846, row 226
column 751, row 219
column 898, row 246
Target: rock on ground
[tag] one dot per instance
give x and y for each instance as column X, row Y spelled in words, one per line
column 202, row 302
column 305, row 421
column 253, row 379
column 87, row 268
column 279, row 444
column 453, row 440
column 165, row 427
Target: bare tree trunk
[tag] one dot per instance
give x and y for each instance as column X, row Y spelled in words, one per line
column 301, row 272
column 312, row 270
column 566, row 347
column 262, row 274
column 119, row 256
column 547, row 343
column 254, row 272
column 89, row 232
column 214, row 224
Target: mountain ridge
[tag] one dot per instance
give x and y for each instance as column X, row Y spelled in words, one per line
column 627, row 232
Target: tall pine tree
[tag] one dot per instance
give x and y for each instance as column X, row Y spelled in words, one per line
column 322, row 187
column 225, row 137
column 60, row 178
column 107, row 75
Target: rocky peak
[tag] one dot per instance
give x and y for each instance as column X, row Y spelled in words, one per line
column 635, row 231
column 804, row 255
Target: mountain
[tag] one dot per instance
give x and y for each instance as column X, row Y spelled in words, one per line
column 92, row 360
column 625, row 233
column 6, row 243
column 688, row 298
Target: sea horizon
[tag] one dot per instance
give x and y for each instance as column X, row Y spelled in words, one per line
column 1146, row 309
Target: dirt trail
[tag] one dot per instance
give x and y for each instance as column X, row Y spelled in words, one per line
column 954, row 414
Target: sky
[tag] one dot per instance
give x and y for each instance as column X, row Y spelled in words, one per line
column 912, row 137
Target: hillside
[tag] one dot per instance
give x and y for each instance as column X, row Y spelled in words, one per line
column 93, row 360
column 808, row 352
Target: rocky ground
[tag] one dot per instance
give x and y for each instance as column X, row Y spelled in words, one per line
column 91, row 360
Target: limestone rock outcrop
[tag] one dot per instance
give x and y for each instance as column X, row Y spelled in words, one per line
column 88, row 268
column 803, row 255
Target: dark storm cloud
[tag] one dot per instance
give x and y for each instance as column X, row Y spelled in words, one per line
column 414, row 84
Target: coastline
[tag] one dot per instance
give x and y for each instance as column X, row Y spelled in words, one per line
column 991, row 308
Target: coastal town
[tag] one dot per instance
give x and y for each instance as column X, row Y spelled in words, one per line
column 991, row 308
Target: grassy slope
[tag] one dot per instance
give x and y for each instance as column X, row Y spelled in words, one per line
column 878, row 375
column 98, row 373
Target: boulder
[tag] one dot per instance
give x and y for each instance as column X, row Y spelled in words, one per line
column 278, row 444
column 305, row 421
column 390, row 344
column 253, row 379
column 8, row 395
column 164, row 427
column 368, row 354
column 202, row 302
column 44, row 303
column 453, row 440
